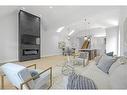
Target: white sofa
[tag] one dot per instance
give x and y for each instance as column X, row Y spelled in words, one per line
column 100, row 78
column 115, row 79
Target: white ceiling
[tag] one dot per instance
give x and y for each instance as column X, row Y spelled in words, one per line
column 71, row 16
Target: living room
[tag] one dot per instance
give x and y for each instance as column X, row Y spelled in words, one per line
column 62, row 34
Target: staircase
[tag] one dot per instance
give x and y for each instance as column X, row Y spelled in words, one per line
column 85, row 44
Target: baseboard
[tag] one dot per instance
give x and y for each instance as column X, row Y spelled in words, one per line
column 14, row 61
column 49, row 55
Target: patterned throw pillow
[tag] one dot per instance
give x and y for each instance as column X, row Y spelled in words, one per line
column 105, row 63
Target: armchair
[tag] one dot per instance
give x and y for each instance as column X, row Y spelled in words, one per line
column 21, row 76
column 82, row 59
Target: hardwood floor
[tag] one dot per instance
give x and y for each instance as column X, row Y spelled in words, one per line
column 42, row 63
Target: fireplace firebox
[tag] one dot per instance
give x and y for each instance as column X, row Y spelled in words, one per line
column 30, row 52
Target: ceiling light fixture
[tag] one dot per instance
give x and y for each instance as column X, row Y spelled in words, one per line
column 60, row 29
column 85, row 38
column 71, row 32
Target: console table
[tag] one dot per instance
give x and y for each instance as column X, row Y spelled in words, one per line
column 92, row 52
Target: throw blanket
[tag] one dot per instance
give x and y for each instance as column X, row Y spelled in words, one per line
column 80, row 82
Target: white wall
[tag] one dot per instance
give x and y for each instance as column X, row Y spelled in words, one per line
column 9, row 37
column 123, row 32
column 112, row 40
column 99, row 44
column 49, row 43
column 125, row 37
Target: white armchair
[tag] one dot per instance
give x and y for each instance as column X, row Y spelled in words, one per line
column 82, row 59
column 21, row 77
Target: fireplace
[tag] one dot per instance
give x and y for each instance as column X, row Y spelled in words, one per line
column 29, row 36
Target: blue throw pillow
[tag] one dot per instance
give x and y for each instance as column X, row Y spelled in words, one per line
column 34, row 73
column 105, row 63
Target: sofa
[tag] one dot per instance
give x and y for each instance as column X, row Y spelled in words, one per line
column 116, row 78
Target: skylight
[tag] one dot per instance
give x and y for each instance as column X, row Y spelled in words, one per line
column 60, row 29
column 71, row 32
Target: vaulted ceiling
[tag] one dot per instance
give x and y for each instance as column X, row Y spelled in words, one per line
column 78, row 17
column 74, row 17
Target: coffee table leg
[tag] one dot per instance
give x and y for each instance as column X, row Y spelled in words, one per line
column 2, row 82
